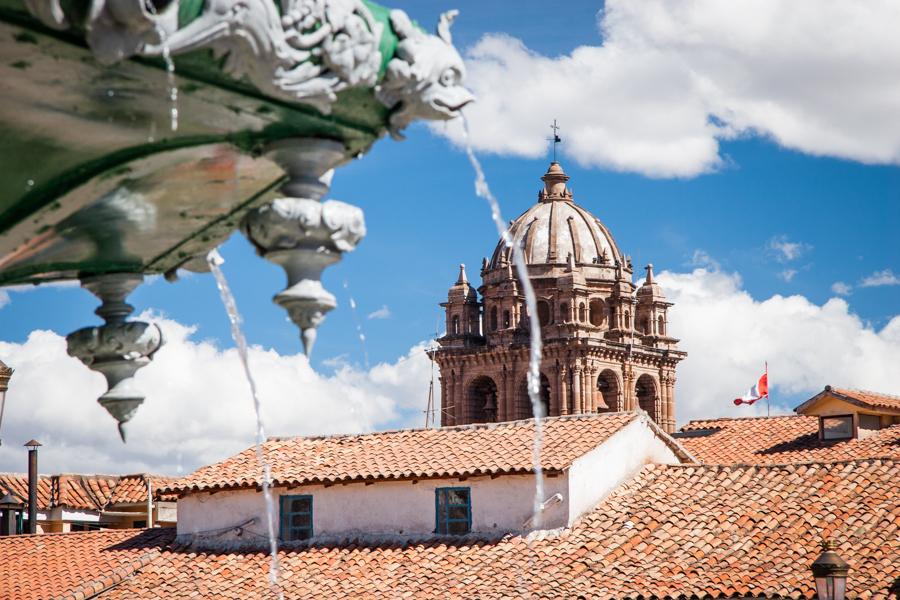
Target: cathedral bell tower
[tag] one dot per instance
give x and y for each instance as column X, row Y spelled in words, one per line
column 606, row 342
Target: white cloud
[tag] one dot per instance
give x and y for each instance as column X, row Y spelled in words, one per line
column 880, row 278
column 701, row 258
column 785, row 250
column 198, row 408
column 729, row 335
column 788, row 274
column 841, row 289
column 672, row 78
column 382, row 313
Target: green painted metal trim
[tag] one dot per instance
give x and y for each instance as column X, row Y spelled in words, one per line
column 389, row 40
column 46, row 194
column 164, row 261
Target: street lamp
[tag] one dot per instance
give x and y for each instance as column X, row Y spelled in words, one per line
column 5, row 374
column 830, row 572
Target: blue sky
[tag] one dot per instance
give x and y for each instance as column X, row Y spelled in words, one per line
column 838, row 211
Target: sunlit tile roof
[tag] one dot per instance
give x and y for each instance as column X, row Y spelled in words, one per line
column 85, row 492
column 776, row 440
column 74, row 565
column 498, row 448
column 689, row 531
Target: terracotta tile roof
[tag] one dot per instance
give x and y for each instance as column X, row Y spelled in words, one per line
column 74, row 565
column 412, row 453
column 672, row 532
column 85, row 492
column 132, row 489
column 872, row 399
column 779, row 440
column 17, row 484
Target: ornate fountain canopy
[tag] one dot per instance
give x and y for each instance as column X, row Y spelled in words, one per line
column 136, row 131
column 139, row 134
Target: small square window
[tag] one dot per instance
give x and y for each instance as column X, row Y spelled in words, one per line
column 296, row 518
column 453, row 510
column 837, row 427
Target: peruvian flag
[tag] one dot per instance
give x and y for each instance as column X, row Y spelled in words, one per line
column 757, row 391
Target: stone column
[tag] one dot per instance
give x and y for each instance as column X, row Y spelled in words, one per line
column 670, row 402
column 443, row 421
column 555, row 396
column 303, row 235
column 563, row 390
column 511, row 394
column 577, row 401
column 457, row 401
column 593, row 392
column 628, row 388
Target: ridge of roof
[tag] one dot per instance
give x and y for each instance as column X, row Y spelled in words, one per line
column 867, row 392
column 789, row 465
column 466, row 427
column 693, row 423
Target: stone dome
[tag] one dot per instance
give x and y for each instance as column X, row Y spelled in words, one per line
column 556, row 227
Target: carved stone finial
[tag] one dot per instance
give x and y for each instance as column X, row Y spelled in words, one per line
column 462, row 275
column 649, row 269
column 118, row 348
column 303, row 235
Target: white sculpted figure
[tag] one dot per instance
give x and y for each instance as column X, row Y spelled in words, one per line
column 424, row 81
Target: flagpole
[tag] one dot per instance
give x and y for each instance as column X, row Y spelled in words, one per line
column 768, row 404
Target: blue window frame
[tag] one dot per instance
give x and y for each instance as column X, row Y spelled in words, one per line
column 296, row 517
column 453, row 510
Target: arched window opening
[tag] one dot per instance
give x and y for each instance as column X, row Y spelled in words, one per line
column 483, row 400
column 582, row 312
column 612, row 317
column 661, row 325
column 543, row 310
column 494, row 318
column 506, row 319
column 455, row 324
column 645, row 390
column 564, row 312
column 524, row 409
column 645, row 325
column 596, row 311
column 608, row 385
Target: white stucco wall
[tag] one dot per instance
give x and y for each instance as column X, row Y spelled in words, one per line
column 593, row 476
column 383, row 508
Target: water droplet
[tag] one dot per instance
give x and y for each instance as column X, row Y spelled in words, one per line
column 30, row 183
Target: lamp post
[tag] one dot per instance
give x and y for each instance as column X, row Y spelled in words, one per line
column 830, row 573
column 9, row 506
column 32, row 446
column 5, row 374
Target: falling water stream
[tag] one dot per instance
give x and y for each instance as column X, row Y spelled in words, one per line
column 171, row 85
column 215, row 260
column 534, row 357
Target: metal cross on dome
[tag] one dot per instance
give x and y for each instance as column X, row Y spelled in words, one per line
column 555, row 139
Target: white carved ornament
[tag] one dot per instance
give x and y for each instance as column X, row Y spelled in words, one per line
column 307, row 52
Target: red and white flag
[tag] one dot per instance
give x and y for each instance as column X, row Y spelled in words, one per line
column 757, row 391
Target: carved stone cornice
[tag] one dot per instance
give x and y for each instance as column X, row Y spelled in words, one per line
column 118, row 348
